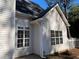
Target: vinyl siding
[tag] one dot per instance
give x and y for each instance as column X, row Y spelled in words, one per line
column 55, row 22
column 6, row 26
column 23, row 50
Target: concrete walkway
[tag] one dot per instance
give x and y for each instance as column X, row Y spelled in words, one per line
column 29, row 57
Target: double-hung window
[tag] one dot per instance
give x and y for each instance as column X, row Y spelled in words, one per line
column 27, row 36
column 56, row 37
column 23, row 37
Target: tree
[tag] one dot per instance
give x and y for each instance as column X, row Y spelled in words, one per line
column 64, row 4
column 74, row 14
column 74, row 21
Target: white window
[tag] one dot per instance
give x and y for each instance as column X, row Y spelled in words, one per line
column 23, row 37
column 56, row 37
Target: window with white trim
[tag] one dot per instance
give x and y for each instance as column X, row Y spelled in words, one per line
column 23, row 37
column 56, row 37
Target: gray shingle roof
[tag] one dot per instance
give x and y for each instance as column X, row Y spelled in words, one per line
column 28, row 8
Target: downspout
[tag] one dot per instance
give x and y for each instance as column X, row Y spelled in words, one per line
column 68, row 32
column 41, row 29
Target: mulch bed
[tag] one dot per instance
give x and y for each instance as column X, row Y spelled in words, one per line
column 75, row 51
column 69, row 54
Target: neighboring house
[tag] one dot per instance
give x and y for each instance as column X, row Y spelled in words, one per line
column 7, row 11
column 23, row 34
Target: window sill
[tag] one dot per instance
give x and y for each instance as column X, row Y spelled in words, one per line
column 23, row 47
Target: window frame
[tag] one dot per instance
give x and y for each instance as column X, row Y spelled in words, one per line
column 24, row 38
column 55, row 37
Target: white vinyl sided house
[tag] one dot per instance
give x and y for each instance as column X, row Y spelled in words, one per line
column 20, row 35
column 49, row 32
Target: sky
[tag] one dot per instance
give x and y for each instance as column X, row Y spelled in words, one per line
column 44, row 5
column 76, row 2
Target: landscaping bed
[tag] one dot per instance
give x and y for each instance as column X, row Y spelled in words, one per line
column 69, row 54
